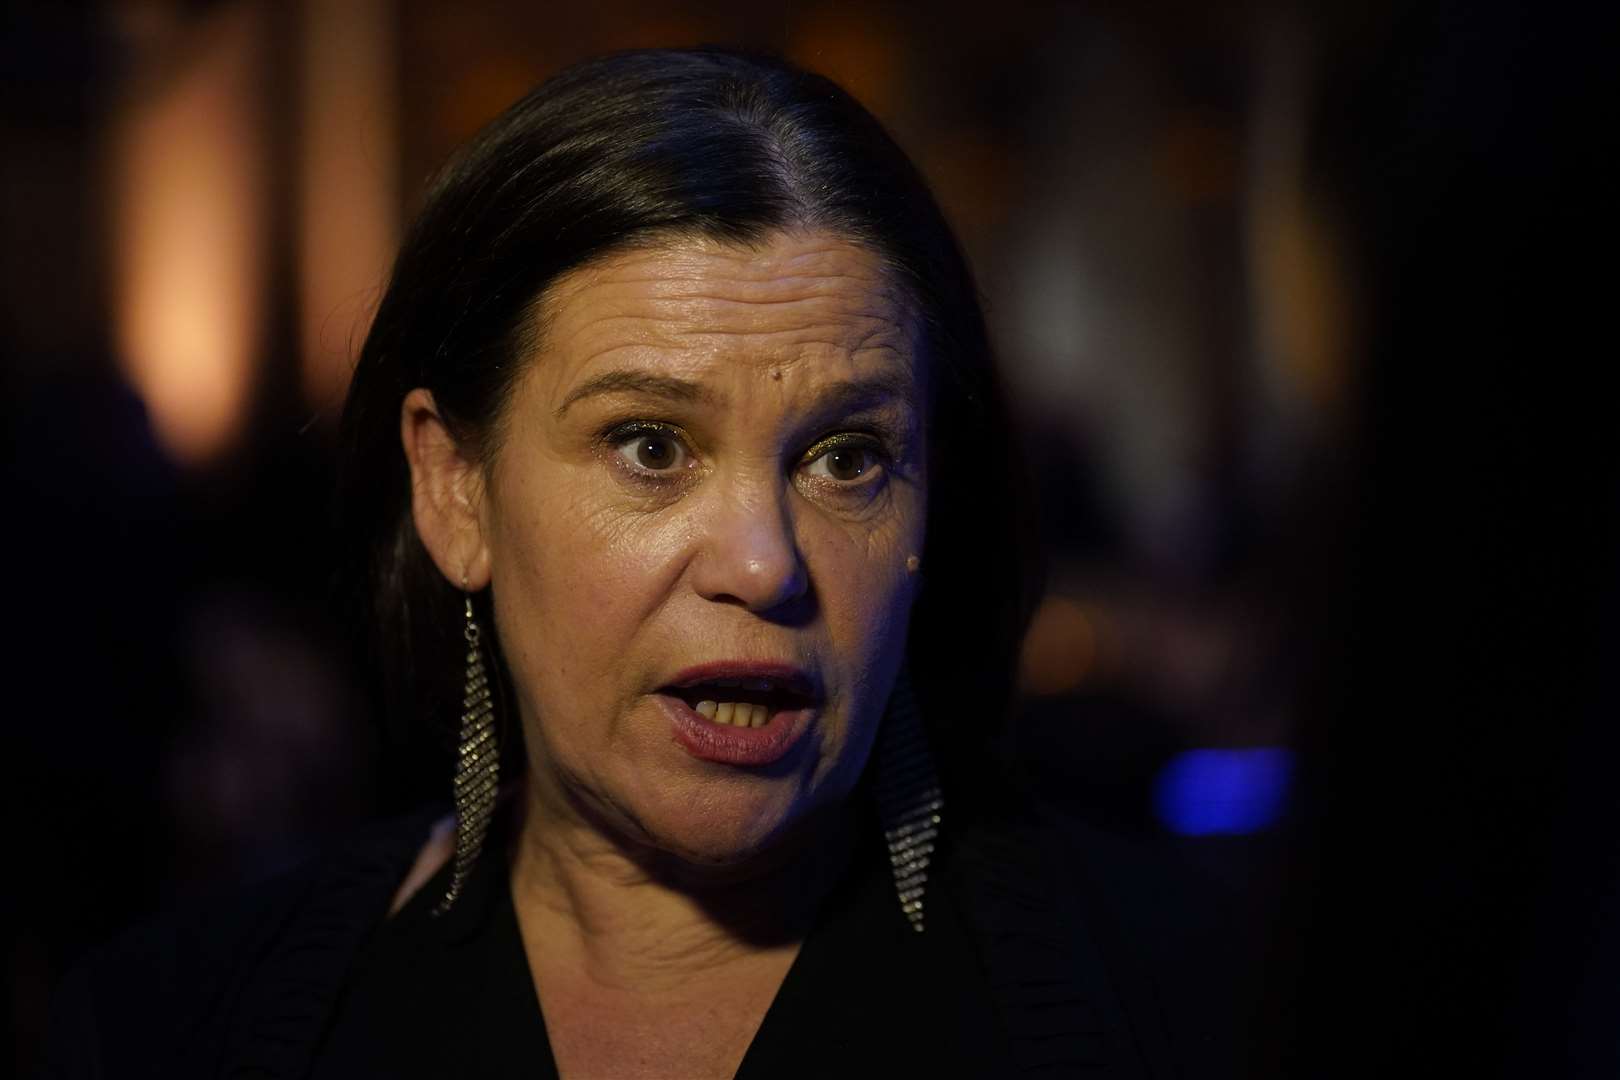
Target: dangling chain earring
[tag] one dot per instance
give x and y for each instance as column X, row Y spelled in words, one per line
column 478, row 764
column 908, row 797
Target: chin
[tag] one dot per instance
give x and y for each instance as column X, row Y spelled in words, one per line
column 717, row 831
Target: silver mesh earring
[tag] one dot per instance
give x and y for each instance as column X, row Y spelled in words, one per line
column 908, row 798
column 478, row 764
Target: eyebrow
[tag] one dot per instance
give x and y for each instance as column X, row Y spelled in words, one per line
column 848, row 395
column 638, row 382
column 854, row 395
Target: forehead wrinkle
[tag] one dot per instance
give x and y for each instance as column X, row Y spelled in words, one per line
column 616, row 333
column 779, row 290
column 789, row 339
column 694, row 268
column 692, row 257
column 722, row 312
column 683, row 307
column 668, row 262
column 700, row 367
column 687, row 285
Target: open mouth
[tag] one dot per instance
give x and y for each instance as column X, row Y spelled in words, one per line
column 743, row 703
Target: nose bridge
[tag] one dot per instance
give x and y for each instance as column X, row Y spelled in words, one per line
column 750, row 552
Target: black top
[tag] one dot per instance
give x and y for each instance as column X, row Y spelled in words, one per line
column 1048, row 953
column 453, row 996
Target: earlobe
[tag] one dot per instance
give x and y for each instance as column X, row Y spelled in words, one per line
column 446, row 493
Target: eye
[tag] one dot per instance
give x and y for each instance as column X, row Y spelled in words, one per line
column 651, row 449
column 845, row 463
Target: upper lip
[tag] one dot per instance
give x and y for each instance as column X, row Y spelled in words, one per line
column 767, row 675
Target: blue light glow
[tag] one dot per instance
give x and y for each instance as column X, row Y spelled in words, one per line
column 1216, row 792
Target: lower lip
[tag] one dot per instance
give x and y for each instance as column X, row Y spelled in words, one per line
column 707, row 740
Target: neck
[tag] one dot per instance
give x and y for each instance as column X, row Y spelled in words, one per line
column 633, row 917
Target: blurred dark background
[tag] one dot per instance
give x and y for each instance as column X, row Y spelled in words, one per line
column 1305, row 308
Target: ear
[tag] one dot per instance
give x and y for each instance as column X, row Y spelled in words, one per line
column 447, row 493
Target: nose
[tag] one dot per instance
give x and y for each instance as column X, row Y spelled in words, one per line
column 750, row 555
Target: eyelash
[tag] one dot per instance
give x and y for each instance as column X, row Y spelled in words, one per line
column 615, row 436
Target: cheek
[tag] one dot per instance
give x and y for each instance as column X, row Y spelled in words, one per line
column 574, row 584
column 865, row 593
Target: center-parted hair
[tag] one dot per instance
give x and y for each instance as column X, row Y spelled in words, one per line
column 625, row 151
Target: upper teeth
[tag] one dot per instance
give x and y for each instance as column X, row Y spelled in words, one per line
column 735, row 713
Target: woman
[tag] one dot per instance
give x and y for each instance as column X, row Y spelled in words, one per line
column 677, row 477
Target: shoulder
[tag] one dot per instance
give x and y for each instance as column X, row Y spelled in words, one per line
column 179, row 996
column 1151, row 946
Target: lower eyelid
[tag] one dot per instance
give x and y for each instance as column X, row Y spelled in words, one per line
column 875, row 473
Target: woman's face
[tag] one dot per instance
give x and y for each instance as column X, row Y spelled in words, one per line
column 705, row 499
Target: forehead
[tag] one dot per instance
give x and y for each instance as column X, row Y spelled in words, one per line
column 808, row 304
